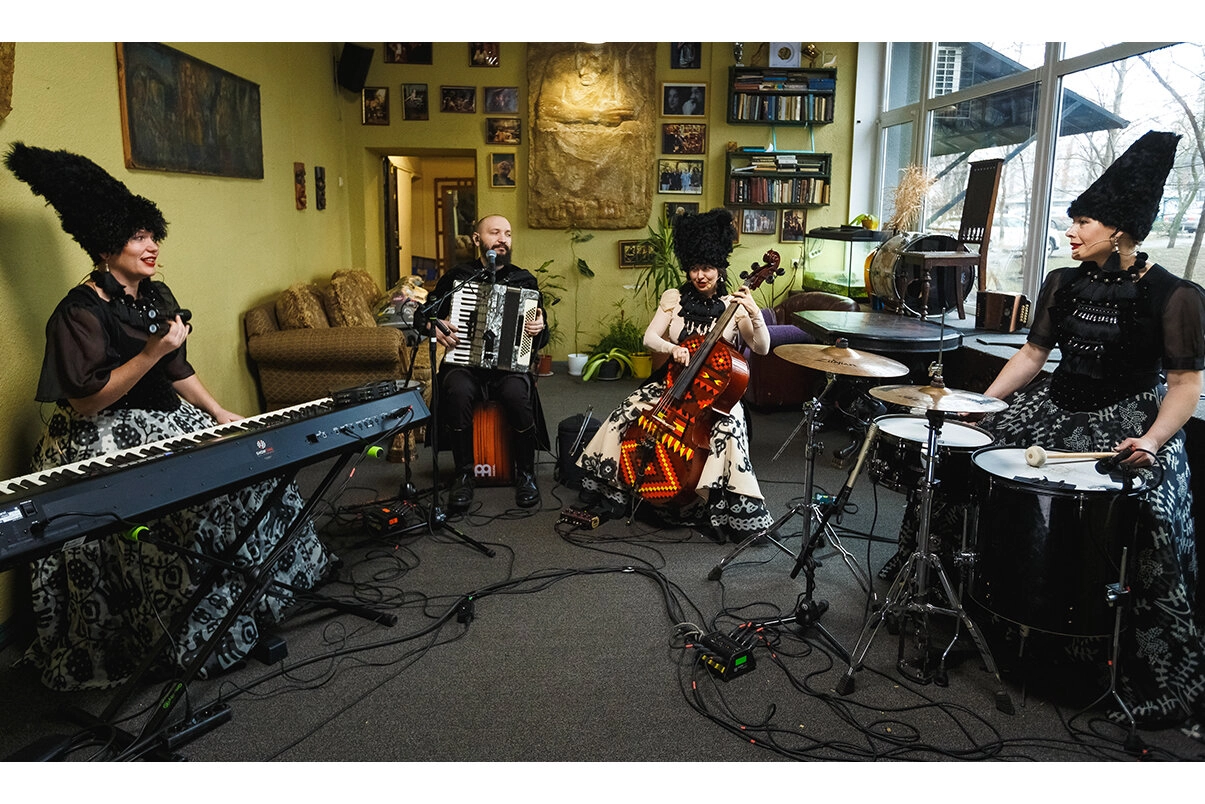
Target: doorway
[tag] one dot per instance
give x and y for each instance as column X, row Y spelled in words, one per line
column 430, row 201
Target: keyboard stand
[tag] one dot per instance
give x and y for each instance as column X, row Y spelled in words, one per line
column 158, row 739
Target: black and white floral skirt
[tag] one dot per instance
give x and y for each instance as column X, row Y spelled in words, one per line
column 730, row 501
column 1162, row 648
column 99, row 607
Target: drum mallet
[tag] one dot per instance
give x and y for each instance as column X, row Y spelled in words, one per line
column 1036, row 456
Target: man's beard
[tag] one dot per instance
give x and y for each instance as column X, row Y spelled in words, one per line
column 502, row 258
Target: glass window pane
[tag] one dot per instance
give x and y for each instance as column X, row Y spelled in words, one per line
column 1126, row 99
column 898, row 155
column 904, row 80
column 959, row 65
column 997, row 126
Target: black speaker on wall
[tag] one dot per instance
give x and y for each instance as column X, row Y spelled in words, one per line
column 352, row 70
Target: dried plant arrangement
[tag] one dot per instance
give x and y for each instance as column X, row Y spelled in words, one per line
column 909, row 198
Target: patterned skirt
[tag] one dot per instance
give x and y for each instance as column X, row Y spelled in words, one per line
column 1162, row 649
column 99, row 607
column 730, row 501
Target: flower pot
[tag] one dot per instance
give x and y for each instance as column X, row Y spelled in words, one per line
column 544, row 366
column 610, row 370
column 642, row 364
column 577, row 362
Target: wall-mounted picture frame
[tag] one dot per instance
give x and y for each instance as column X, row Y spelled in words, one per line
column 794, row 226
column 484, row 54
column 374, row 106
column 157, row 83
column 501, row 100
column 683, row 100
column 503, row 131
column 675, row 208
column 635, row 254
column 680, row 176
column 299, row 184
column 458, row 100
column 759, row 221
column 408, row 52
column 685, row 55
column 736, row 224
column 502, row 170
column 683, row 138
column 319, row 187
column 415, row 102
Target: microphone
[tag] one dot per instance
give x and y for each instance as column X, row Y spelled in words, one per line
column 492, row 257
column 1106, row 465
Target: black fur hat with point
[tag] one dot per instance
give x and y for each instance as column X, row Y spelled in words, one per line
column 705, row 238
column 1127, row 194
column 94, row 208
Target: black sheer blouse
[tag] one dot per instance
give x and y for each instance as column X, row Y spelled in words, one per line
column 86, row 339
column 1117, row 335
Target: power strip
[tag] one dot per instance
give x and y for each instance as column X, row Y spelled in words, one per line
column 583, row 519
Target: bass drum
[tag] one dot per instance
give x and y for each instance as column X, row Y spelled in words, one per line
column 891, row 282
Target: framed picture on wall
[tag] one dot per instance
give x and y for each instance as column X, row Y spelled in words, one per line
column 680, row 176
column 374, row 106
column 684, row 138
column 502, row 100
column 502, row 170
column 683, row 100
column 794, row 226
column 415, row 105
column 320, row 187
column 675, row 208
column 503, row 131
column 635, row 254
column 458, row 100
column 408, row 52
column 685, row 55
column 759, row 221
column 484, row 54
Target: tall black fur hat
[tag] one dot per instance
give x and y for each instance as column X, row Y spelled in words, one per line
column 94, row 208
column 704, row 239
column 1127, row 194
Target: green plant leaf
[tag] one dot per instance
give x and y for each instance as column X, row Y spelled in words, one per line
column 584, row 269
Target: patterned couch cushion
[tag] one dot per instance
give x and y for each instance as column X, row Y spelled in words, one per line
column 300, row 307
column 350, row 299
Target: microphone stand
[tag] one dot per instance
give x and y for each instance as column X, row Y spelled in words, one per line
column 429, row 312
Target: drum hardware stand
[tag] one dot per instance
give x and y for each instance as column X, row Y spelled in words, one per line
column 1117, row 595
column 809, row 508
column 909, row 591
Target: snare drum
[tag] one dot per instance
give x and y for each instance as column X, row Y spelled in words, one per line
column 1049, row 540
column 897, row 457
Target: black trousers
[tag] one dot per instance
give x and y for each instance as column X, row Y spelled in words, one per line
column 461, row 388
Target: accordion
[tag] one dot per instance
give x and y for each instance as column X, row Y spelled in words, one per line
column 1002, row 312
column 489, row 319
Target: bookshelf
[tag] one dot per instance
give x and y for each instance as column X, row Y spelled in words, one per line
column 777, row 179
column 781, row 96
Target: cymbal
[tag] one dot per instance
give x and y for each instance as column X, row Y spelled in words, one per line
column 932, row 397
column 840, row 360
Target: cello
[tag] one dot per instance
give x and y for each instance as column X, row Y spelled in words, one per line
column 663, row 451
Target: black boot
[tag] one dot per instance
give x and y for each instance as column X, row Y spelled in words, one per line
column 460, row 496
column 527, row 493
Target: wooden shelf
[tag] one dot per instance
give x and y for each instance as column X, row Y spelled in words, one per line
column 777, row 179
column 781, row 96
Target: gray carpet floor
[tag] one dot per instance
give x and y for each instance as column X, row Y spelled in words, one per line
column 576, row 644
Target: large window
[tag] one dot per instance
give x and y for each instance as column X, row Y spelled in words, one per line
column 1057, row 121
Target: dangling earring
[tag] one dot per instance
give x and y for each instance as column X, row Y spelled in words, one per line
column 1116, row 248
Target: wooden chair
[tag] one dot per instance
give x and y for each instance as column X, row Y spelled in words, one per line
column 956, row 270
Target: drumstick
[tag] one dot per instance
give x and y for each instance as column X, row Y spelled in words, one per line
column 1036, row 456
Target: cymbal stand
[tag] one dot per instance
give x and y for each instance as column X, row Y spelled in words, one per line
column 808, row 507
column 909, row 592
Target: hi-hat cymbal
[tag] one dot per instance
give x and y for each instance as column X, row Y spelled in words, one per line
column 840, row 360
column 933, row 397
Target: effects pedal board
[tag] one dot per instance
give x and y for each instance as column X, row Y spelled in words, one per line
column 583, row 519
column 724, row 656
column 384, row 520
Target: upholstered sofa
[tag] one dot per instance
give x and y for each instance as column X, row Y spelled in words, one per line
column 314, row 339
column 777, row 383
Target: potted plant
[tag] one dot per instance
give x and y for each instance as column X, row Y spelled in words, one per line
column 663, row 272
column 577, row 358
column 551, row 288
column 608, row 365
column 619, row 344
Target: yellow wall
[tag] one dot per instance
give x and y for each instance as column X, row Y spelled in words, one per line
column 444, row 132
